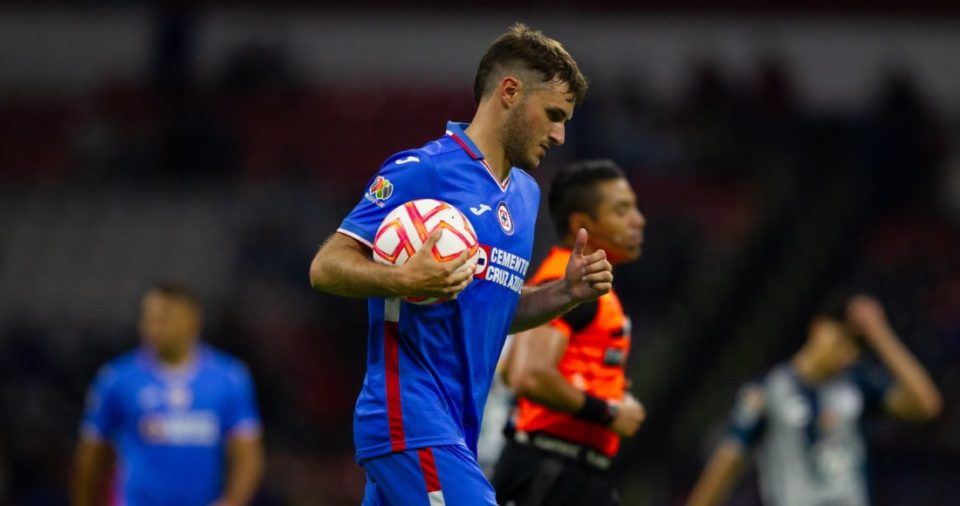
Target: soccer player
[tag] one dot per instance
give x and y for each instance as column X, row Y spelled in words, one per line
column 429, row 367
column 568, row 374
column 179, row 415
column 804, row 418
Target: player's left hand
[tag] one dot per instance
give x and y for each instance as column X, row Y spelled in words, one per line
column 588, row 276
column 867, row 317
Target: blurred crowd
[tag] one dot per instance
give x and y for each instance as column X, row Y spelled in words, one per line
column 756, row 205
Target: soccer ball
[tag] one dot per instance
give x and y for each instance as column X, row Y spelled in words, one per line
column 403, row 232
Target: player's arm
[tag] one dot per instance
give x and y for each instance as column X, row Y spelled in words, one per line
column 587, row 277
column 344, row 267
column 244, row 469
column 721, row 473
column 92, row 462
column 531, row 371
column 913, row 396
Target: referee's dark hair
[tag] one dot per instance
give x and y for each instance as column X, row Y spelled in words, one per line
column 574, row 189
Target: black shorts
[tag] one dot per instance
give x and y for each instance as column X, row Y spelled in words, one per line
column 526, row 476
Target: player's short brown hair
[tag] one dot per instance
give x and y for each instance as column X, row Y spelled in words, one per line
column 525, row 48
column 178, row 291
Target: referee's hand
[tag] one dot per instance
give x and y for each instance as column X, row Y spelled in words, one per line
column 587, row 276
column 629, row 417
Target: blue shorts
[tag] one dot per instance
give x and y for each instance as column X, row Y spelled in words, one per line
column 432, row 476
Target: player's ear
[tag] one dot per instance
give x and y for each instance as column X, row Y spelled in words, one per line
column 510, row 91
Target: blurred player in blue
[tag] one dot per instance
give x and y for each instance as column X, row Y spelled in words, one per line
column 429, row 368
column 180, row 417
column 804, row 419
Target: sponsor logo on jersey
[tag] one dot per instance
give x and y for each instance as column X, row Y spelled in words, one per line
column 379, row 191
column 190, row 428
column 409, row 159
column 501, row 267
column 503, row 216
column 477, row 211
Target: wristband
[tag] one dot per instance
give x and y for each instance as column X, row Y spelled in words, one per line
column 596, row 410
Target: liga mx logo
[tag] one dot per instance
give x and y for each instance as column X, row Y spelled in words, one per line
column 380, row 190
column 503, row 216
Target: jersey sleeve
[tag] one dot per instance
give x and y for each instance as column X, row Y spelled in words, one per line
column 874, row 382
column 101, row 416
column 404, row 177
column 241, row 417
column 748, row 420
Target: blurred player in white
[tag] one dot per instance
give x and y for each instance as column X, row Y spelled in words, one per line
column 804, row 418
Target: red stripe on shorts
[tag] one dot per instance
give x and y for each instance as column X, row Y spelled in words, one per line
column 391, row 352
column 429, row 468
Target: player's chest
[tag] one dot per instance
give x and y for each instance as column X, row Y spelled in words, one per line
column 504, row 222
column 830, row 410
column 173, row 413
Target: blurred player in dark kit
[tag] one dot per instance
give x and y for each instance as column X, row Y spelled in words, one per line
column 803, row 419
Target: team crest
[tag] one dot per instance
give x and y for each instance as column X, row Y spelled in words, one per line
column 379, row 191
column 503, row 216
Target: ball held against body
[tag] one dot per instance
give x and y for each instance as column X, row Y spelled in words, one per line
column 405, row 229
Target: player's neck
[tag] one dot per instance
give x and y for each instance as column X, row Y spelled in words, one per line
column 175, row 358
column 487, row 139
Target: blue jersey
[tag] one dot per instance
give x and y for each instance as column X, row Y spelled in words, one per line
column 169, row 428
column 429, row 367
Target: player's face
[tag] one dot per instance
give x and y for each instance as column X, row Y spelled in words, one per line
column 617, row 225
column 168, row 322
column 537, row 124
column 835, row 346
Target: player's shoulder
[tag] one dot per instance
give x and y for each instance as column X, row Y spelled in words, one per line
column 409, row 159
column 128, row 362
column 219, row 362
column 119, row 368
column 754, row 391
column 524, row 178
column 523, row 182
column 436, row 152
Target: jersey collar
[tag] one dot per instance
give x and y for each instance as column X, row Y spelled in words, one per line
column 456, row 132
column 185, row 372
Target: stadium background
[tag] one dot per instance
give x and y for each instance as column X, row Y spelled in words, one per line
column 776, row 153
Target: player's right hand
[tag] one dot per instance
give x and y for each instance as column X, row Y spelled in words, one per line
column 424, row 276
column 630, row 416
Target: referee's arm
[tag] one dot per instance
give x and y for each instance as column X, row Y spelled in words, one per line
column 530, row 369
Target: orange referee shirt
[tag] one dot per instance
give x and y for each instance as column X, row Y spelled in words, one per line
column 598, row 336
